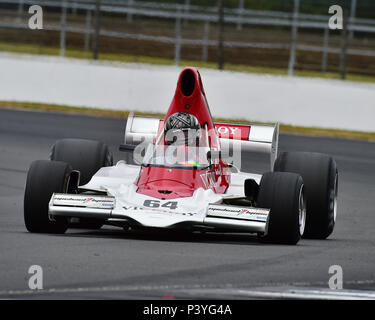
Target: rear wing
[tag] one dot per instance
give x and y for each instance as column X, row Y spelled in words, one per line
column 251, row 137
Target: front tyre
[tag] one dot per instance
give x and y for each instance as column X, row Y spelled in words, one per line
column 284, row 194
column 43, row 179
column 86, row 156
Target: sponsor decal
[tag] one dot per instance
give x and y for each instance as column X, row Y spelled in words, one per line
column 157, row 210
column 229, row 131
column 100, row 202
column 257, row 214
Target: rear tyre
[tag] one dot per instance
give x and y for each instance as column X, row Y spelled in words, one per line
column 43, row 179
column 87, row 157
column 320, row 176
column 283, row 193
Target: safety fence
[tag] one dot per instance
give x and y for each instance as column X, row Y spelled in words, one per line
column 290, row 40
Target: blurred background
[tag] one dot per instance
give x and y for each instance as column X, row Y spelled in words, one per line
column 267, row 36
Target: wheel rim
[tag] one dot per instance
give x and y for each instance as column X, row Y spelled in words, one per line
column 333, row 198
column 302, row 211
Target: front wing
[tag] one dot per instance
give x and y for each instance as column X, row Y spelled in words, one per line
column 159, row 214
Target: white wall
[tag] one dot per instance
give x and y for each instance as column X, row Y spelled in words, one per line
column 290, row 100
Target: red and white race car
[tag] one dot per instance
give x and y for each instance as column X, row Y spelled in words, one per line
column 184, row 177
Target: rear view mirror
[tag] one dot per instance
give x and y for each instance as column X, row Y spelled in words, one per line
column 213, row 155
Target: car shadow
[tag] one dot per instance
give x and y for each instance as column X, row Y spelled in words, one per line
column 163, row 235
column 168, row 236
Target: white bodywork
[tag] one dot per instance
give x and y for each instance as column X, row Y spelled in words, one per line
column 119, row 201
column 117, row 183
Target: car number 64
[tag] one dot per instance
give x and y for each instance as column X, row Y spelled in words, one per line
column 156, row 204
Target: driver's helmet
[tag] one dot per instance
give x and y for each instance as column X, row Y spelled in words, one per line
column 182, row 128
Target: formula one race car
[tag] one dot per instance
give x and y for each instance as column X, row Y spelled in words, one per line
column 184, row 177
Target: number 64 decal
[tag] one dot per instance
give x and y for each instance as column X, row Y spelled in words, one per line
column 156, row 204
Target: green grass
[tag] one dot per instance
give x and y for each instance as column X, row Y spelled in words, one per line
column 81, row 54
column 369, row 136
column 69, row 109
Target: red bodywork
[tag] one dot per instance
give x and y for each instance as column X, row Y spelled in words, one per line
column 167, row 183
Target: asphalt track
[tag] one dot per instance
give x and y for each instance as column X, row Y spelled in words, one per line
column 112, row 263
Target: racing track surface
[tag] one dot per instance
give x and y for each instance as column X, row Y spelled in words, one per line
column 111, row 263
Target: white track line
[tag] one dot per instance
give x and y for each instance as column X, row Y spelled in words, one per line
column 271, row 290
column 316, row 294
